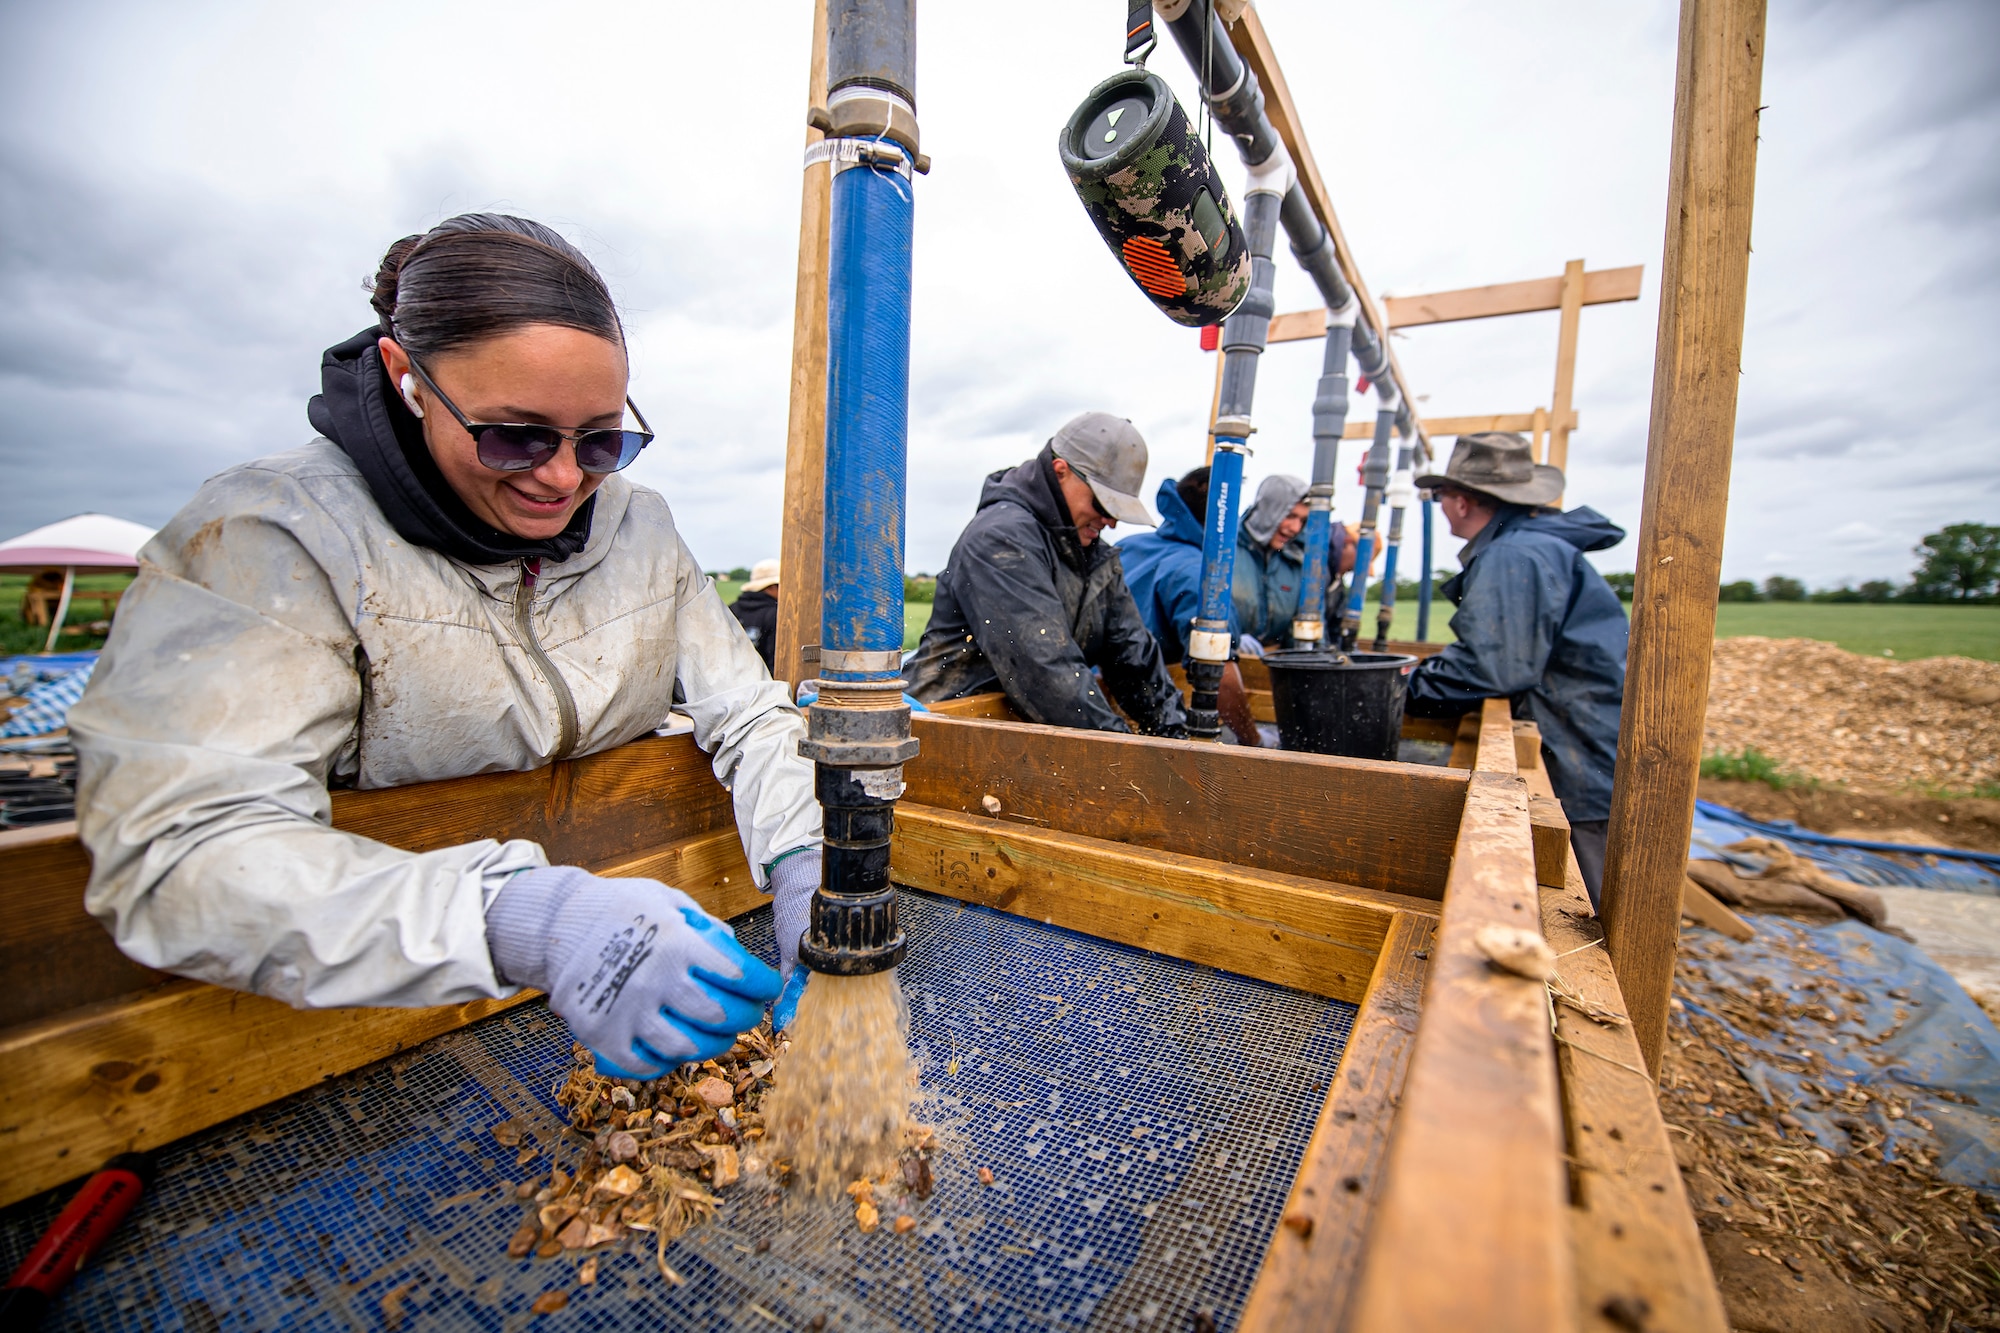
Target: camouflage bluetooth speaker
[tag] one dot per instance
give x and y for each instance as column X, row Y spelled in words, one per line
column 1150, row 188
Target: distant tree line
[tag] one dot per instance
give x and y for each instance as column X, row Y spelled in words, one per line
column 1960, row 563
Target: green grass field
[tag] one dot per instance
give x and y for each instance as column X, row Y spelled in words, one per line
column 916, row 615
column 17, row 636
column 1901, row 631
column 1907, row 632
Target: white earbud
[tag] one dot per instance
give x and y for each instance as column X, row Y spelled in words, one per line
column 409, row 387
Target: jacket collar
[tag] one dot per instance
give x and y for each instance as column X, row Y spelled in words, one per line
column 1033, row 486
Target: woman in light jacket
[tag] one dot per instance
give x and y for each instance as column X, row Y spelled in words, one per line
column 451, row 579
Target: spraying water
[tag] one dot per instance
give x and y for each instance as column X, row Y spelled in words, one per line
column 843, row 1096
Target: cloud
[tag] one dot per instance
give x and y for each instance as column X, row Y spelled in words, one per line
column 192, row 195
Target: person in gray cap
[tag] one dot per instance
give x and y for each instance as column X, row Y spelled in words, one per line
column 1035, row 604
column 1536, row 624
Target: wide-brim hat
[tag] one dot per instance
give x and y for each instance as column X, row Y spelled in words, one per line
column 763, row 574
column 1500, row 464
column 1109, row 453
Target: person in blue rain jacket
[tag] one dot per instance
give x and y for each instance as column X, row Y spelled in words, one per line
column 1536, row 624
column 1163, row 570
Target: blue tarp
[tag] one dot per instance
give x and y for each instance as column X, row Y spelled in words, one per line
column 46, row 666
column 1915, row 1033
column 1877, row 864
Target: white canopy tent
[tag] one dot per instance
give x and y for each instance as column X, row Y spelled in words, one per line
column 85, row 541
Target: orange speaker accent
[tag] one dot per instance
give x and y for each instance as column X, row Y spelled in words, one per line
column 1153, row 268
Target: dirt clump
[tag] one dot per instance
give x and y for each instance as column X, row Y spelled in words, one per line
column 1834, row 716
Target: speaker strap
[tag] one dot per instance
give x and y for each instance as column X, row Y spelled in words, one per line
column 1139, row 36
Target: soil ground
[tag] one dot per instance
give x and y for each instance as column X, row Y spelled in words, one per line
column 1829, row 716
column 1966, row 822
column 1802, row 1241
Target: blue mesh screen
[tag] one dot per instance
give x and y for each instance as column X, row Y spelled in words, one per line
column 1143, row 1118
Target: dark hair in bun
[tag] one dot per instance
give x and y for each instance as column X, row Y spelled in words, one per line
column 480, row 275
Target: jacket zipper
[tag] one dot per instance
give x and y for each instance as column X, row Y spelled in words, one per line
column 524, row 624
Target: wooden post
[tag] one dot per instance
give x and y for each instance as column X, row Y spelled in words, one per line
column 1541, row 434
column 69, row 587
column 799, row 591
column 1572, row 316
column 1695, row 372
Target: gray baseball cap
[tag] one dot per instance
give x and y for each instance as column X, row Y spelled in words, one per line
column 1110, row 454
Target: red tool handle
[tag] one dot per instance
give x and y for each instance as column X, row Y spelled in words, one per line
column 79, row 1231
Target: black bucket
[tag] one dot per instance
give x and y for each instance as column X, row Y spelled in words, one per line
column 1327, row 704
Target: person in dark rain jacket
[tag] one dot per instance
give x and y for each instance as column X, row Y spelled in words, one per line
column 1032, row 600
column 1163, row 569
column 756, row 610
column 1536, row 624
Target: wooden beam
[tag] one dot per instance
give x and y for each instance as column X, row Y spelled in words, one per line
column 1632, row 1234
column 1471, row 1229
column 1354, row 821
column 1497, row 750
column 1697, row 365
column 53, row 954
column 804, row 529
column 1600, row 287
column 1440, row 427
column 1253, row 45
column 1309, row 1271
column 1308, row 934
column 138, row 1072
column 1565, row 390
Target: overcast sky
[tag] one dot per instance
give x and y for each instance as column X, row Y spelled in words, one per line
column 192, row 194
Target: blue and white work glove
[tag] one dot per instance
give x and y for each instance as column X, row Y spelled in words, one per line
column 793, row 880
column 643, row 976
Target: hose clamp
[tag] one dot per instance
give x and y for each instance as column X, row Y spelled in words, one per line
column 880, row 154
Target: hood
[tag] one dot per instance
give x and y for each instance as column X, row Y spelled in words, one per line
column 356, row 409
column 1032, row 485
column 1178, row 523
column 1276, row 495
column 1582, row 527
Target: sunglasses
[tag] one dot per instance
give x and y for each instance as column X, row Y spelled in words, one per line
column 517, row 447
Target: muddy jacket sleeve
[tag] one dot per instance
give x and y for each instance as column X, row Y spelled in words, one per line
column 1506, row 623
column 1006, row 584
column 1136, row 671
column 224, row 703
column 748, row 723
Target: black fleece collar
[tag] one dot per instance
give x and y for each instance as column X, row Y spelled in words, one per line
column 358, row 411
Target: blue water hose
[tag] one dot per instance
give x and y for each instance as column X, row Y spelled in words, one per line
column 1218, row 535
column 867, row 416
column 1388, row 613
column 858, row 729
column 1375, row 473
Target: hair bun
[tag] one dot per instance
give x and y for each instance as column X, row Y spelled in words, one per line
column 383, row 289
column 480, row 275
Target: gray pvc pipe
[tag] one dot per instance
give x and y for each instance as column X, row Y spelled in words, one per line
column 873, row 44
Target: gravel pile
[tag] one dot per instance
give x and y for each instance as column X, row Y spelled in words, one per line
column 1837, row 716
